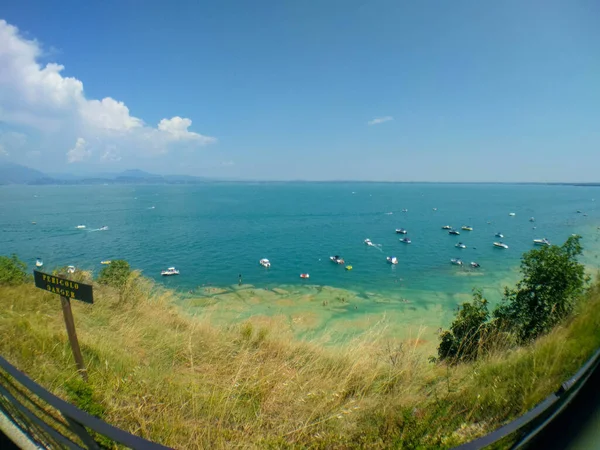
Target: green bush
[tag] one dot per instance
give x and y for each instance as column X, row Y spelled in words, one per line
column 552, row 283
column 12, row 271
column 115, row 274
column 466, row 337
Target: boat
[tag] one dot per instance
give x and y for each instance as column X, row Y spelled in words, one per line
column 33, row 223
column 446, row 227
column 541, row 241
column 467, row 228
column 532, row 219
column 405, row 240
column 304, row 275
column 475, row 265
column 435, row 209
column 107, row 262
column 368, row 242
column 71, row 269
column 170, row 272
column 511, row 214
column 336, row 259
column 500, row 235
column 500, row 245
column 39, row 262
column 392, row 260
column 265, row 263
column 80, row 226
column 460, row 245
column 405, row 210
column 456, row 262
column 578, row 211
column 401, row 231
column 454, row 232
column 103, row 228
column 348, row 267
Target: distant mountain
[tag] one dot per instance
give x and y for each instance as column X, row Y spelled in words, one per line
column 17, row 174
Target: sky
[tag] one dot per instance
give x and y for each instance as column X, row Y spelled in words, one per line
column 381, row 90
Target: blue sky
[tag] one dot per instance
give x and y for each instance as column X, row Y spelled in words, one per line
column 473, row 91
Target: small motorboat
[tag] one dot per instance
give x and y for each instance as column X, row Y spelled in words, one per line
column 348, row 267
column 80, row 227
column 405, row 240
column 392, row 260
column 33, row 223
column 475, row 265
column 435, row 209
column 511, row 214
column 368, row 242
column 405, row 210
column 265, row 263
column 532, row 219
column 103, row 228
column 401, row 231
column 500, row 235
column 39, row 262
column 456, row 262
column 71, row 269
column 304, row 275
column 454, row 232
column 446, row 227
column 170, row 272
column 107, row 262
column 500, row 245
column 336, row 259
column 578, row 211
column 467, row 228
column 460, row 245
column 541, row 241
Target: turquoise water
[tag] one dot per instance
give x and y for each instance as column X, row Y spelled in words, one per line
column 215, row 232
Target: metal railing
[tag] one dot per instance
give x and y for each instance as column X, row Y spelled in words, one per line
column 50, row 422
column 523, row 430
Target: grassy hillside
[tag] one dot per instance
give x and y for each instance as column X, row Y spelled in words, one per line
column 185, row 383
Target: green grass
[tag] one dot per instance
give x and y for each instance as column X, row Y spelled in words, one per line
column 183, row 382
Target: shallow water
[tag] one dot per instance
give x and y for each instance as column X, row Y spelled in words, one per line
column 215, row 232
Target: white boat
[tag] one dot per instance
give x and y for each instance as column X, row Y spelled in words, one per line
column 80, row 226
column 405, row 240
column 435, row 209
column 392, row 260
column 39, row 262
column 405, row 210
column 368, row 242
column 304, row 275
column 500, row 245
column 456, row 262
column 460, row 245
column 106, row 262
column 454, row 232
column 532, row 219
column 475, row 265
column 70, row 269
column 511, row 214
column 265, row 263
column 336, row 259
column 103, row 228
column 541, row 241
column 467, row 228
column 401, row 231
column 500, row 235
column 170, row 272
column 446, row 227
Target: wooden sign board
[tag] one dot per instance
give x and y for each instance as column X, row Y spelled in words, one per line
column 63, row 287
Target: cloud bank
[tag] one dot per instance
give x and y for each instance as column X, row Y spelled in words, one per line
column 378, row 120
column 37, row 98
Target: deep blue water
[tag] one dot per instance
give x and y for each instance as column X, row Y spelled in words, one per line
column 214, row 232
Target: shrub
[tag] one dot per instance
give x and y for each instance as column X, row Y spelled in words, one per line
column 552, row 282
column 115, row 274
column 12, row 271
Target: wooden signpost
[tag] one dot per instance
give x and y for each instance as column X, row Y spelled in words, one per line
column 67, row 290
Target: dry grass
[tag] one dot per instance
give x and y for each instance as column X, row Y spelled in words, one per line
column 183, row 382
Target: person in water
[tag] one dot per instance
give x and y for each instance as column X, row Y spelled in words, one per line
column 240, row 279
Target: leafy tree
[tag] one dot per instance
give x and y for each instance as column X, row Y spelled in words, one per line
column 115, row 274
column 552, row 282
column 12, row 270
column 466, row 337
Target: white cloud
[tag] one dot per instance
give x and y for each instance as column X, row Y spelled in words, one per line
column 42, row 98
column 111, row 154
column 378, row 120
column 3, row 151
column 79, row 153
